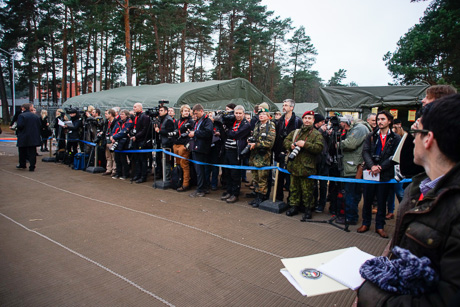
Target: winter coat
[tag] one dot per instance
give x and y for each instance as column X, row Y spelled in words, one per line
column 238, row 133
column 166, row 126
column 202, row 139
column 427, row 228
column 180, row 127
column 141, row 124
column 352, row 149
column 264, row 135
column 283, row 130
column 73, row 133
column 28, row 130
column 304, row 164
column 386, row 155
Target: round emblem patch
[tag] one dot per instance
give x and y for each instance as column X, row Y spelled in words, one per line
column 311, row 273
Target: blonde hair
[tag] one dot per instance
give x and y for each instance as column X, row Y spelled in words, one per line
column 61, row 111
column 43, row 113
column 185, row 106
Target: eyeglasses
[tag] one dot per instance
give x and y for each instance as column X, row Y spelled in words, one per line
column 415, row 131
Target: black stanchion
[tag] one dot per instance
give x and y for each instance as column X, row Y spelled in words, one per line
column 163, row 184
column 275, row 206
column 50, row 158
column 95, row 169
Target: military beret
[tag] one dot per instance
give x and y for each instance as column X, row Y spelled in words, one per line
column 308, row 113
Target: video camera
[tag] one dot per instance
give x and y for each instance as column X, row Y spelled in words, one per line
column 227, row 118
column 155, row 111
column 71, row 109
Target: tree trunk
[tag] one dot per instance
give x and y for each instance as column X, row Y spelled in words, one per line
column 102, row 49
column 37, row 54
column 129, row 72
column 94, row 89
column 88, row 48
column 75, row 63
column 64, row 62
column 5, row 111
column 106, row 62
column 54, row 89
column 219, row 53
column 182, row 45
column 230, row 44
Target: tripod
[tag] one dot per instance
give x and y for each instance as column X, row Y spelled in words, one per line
column 340, row 200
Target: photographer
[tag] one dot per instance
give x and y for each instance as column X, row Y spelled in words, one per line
column 287, row 123
column 261, row 146
column 181, row 140
column 237, row 134
column 322, row 164
column 120, row 142
column 111, row 168
column 304, row 144
column 73, row 135
column 352, row 148
column 59, row 134
column 201, row 140
column 164, row 129
column 378, row 150
column 140, row 135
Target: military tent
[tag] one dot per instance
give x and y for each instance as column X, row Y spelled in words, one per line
column 213, row 95
column 401, row 101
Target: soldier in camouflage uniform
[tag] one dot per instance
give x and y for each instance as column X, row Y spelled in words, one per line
column 310, row 142
column 264, row 136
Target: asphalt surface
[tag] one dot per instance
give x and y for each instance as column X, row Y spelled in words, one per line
column 72, row 238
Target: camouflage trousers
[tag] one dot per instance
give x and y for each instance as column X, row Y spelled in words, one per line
column 261, row 178
column 301, row 190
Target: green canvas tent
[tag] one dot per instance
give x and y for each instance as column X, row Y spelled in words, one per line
column 401, row 101
column 213, row 95
column 363, row 98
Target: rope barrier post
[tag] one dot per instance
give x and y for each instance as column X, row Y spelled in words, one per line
column 50, row 158
column 164, row 184
column 95, row 169
column 275, row 206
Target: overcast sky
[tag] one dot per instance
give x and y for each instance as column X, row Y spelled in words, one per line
column 352, row 34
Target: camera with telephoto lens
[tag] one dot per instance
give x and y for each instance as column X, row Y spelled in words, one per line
column 130, row 135
column 294, row 153
column 246, row 149
column 114, row 146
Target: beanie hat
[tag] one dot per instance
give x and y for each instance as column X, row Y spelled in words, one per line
column 318, row 118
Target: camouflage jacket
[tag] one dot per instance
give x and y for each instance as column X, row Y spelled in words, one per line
column 305, row 162
column 264, row 139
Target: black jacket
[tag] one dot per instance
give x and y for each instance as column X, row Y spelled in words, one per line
column 29, row 126
column 73, row 133
column 384, row 159
column 202, row 139
column 181, row 128
column 166, row 126
column 282, row 131
column 141, row 124
column 238, row 133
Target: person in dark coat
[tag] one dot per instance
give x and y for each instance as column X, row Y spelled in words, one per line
column 45, row 131
column 200, row 145
column 28, row 131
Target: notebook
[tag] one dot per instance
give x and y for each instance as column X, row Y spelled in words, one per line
column 345, row 267
column 302, row 273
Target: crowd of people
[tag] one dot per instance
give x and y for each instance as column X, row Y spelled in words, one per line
column 338, row 146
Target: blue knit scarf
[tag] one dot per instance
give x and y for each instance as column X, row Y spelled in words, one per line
column 407, row 274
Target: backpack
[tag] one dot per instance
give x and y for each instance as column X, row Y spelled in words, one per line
column 177, row 177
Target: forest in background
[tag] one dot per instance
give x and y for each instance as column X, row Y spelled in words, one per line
column 102, row 44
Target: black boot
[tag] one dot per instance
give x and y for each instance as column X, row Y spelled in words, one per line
column 255, row 200
column 258, row 200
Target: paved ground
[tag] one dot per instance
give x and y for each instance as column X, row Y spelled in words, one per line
column 71, row 238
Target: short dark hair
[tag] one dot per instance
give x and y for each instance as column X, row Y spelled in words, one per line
column 165, row 108
column 231, row 106
column 388, row 115
column 112, row 112
column 197, row 107
column 439, row 91
column 26, row 106
column 442, row 119
column 98, row 111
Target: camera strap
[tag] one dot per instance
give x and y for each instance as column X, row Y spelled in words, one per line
column 297, row 132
